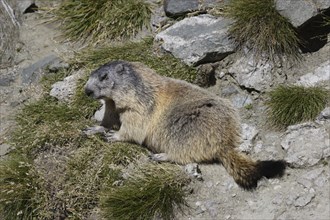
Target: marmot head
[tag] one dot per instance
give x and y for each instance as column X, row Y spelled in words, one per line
column 113, row 79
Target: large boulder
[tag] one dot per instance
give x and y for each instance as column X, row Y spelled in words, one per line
column 10, row 14
column 299, row 12
column 9, row 32
column 198, row 40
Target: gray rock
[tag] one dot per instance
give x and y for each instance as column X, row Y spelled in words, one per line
column 324, row 115
column 4, row 149
column 6, row 80
column 33, row 73
column 58, row 65
column 98, row 116
column 193, row 171
column 315, row 176
column 306, row 144
column 198, row 40
column 304, row 198
column 9, row 32
column 322, row 4
column 64, row 90
column 298, row 12
column 249, row 133
column 250, row 74
column 176, row 8
column 319, row 75
column 241, row 100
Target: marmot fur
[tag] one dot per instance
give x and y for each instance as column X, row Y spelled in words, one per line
column 182, row 122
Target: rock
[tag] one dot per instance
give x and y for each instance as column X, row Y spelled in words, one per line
column 241, row 100
column 312, row 177
column 6, row 80
column 193, row 171
column 98, row 116
column 322, row 4
column 298, row 12
column 249, row 133
column 319, row 75
column 58, row 65
column 252, row 75
column 64, row 90
column 304, row 198
column 205, row 76
column 176, row 8
column 306, row 144
column 4, row 149
column 33, row 73
column 324, row 115
column 198, row 40
column 9, row 32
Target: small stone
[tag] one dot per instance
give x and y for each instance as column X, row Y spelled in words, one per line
column 193, row 170
column 99, row 114
column 64, row 90
column 324, row 115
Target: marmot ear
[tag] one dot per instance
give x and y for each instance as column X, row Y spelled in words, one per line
column 120, row 68
column 103, row 76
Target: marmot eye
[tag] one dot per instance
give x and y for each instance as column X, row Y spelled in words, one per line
column 103, row 76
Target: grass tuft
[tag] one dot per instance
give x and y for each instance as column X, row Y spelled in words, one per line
column 103, row 20
column 154, row 190
column 123, row 153
column 260, row 28
column 20, row 188
column 141, row 51
column 47, row 122
column 290, row 105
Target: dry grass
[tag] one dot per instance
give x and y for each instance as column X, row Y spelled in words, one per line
column 152, row 191
column 261, row 29
column 22, row 192
column 99, row 21
column 142, row 51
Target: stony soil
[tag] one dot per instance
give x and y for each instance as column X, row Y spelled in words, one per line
column 302, row 193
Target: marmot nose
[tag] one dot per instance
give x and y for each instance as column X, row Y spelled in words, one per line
column 88, row 92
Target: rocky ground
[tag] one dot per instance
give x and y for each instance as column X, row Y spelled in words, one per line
column 302, row 193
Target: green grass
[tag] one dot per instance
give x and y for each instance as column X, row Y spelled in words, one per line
column 21, row 188
column 142, row 51
column 288, row 105
column 47, row 122
column 99, row 21
column 259, row 27
column 153, row 190
column 67, row 173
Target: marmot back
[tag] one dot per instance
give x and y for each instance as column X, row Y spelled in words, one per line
column 178, row 121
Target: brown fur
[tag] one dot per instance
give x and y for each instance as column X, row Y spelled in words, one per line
column 171, row 116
